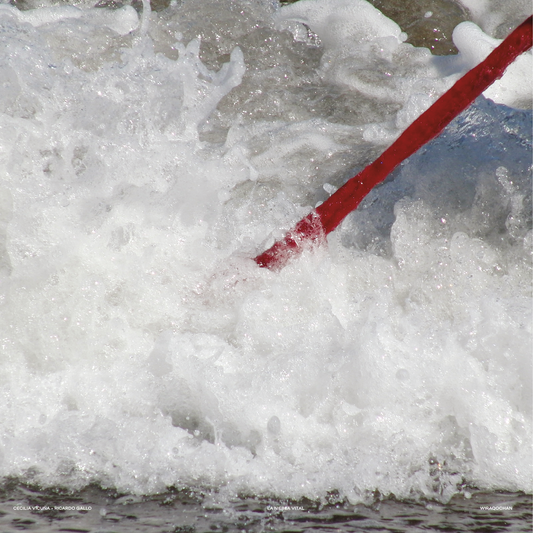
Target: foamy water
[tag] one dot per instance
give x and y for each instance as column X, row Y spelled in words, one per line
column 146, row 159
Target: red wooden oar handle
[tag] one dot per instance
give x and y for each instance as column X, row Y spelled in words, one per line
column 428, row 125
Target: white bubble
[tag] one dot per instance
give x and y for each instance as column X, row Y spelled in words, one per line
column 274, row 425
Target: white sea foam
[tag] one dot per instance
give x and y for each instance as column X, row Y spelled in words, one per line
column 144, row 165
column 514, row 88
column 498, row 17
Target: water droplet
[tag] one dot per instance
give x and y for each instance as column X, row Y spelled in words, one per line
column 402, row 374
column 274, row 425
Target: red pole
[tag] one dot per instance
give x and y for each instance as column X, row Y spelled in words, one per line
column 427, row 126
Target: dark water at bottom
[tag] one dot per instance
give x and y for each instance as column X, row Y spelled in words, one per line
column 94, row 510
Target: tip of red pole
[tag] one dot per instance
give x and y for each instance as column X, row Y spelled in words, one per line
column 306, row 233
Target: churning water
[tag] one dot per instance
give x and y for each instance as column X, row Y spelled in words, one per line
column 146, row 156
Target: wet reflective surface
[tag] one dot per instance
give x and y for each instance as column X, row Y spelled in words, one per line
column 95, row 510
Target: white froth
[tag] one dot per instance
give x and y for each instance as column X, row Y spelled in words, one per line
column 46, row 15
column 498, row 17
column 340, row 23
column 122, row 21
column 514, row 88
column 141, row 347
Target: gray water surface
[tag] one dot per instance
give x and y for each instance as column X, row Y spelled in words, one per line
column 95, row 510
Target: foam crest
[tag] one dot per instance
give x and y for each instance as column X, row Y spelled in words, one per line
column 514, row 87
column 338, row 22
